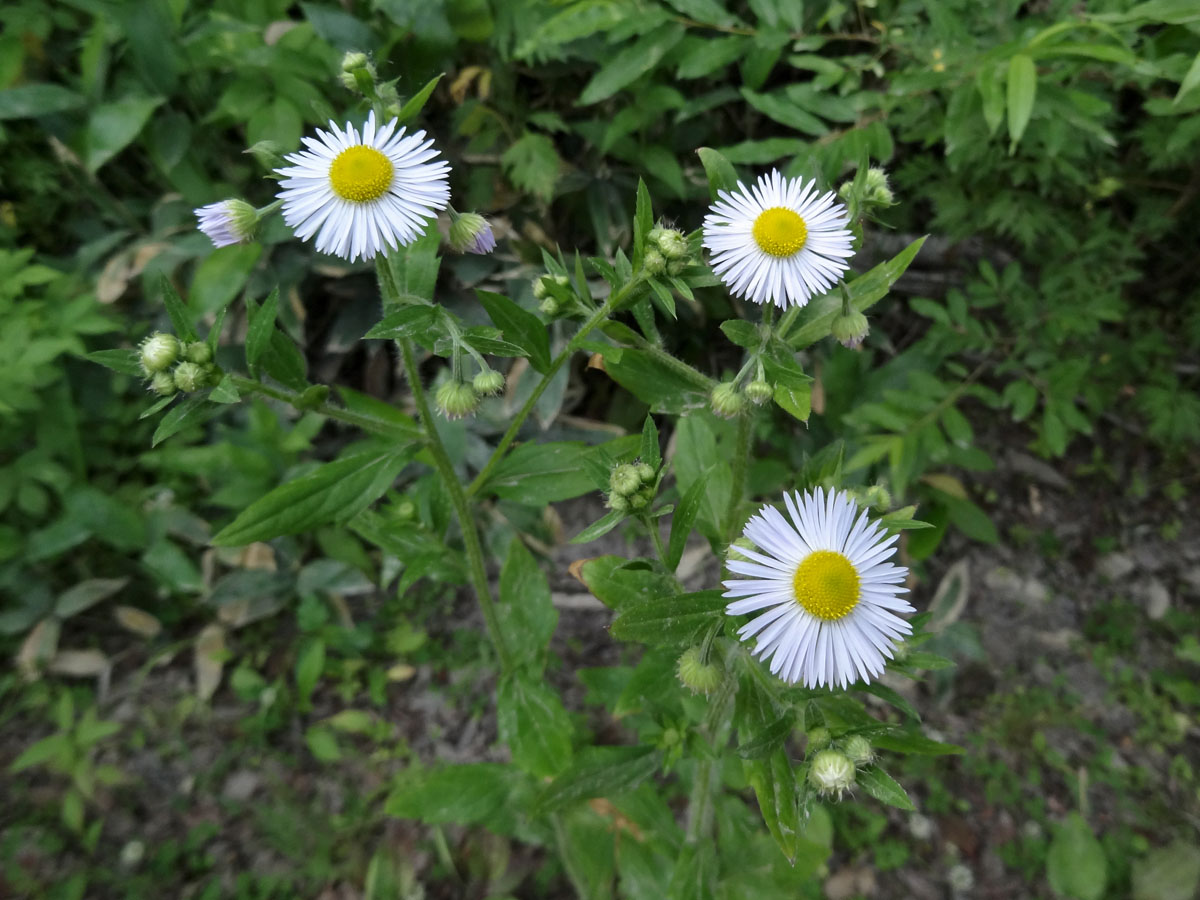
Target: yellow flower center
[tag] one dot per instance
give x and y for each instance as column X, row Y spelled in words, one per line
column 780, row 231
column 826, row 584
column 361, row 174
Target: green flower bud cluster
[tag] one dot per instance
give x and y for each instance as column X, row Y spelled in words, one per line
column 876, row 496
column 666, row 251
column 543, row 291
column 876, row 191
column 631, row 486
column 488, row 383
column 726, row 400
column 695, row 674
column 457, row 399
column 358, row 74
column 193, row 366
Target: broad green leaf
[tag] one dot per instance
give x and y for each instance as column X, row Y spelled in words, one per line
column 405, row 322
column 785, row 112
column 262, row 325
column 1022, row 90
column 323, row 744
column 537, row 474
column 867, row 289
column 684, row 518
column 1075, row 864
column 630, row 63
column 694, row 875
column 671, row 620
column 880, row 785
column 619, row 584
column 310, row 664
column 911, row 742
column 413, row 106
column 743, row 333
column 769, row 739
column 795, row 401
column 774, row 783
column 54, row 747
column 720, row 172
column 459, row 795
column 29, row 101
column 86, row 594
column 113, row 126
column 599, row 772
column 220, row 277
column 334, row 492
column 1172, row 873
column 284, row 362
column 527, row 616
column 534, row 724
column 520, row 327
column 663, row 387
column 413, row 270
column 991, row 93
column 1190, row 81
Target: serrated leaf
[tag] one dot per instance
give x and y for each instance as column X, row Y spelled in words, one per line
column 672, row 620
column 335, row 491
column 599, row 772
column 526, row 613
column 532, row 164
column 533, row 722
column 630, row 63
column 124, row 361
column 262, row 325
column 461, row 795
column 880, row 785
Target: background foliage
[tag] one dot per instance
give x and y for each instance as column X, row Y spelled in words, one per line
column 1049, row 151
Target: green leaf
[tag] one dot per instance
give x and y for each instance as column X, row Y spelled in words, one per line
column 880, row 785
column 334, row 492
column 532, row 165
column 221, row 275
column 30, row 101
column 600, row 527
column 865, row 290
column 527, row 616
column 599, row 772
column 124, row 361
column 630, row 63
column 113, row 126
column 650, row 453
column 537, row 474
column 310, row 664
column 56, row 746
column 794, row 401
column 744, row 334
column 619, row 584
column 919, row 659
column 181, row 317
column 414, row 269
column 284, row 362
column 459, row 795
column 322, row 743
column 519, row 326
column 195, row 410
column 1075, row 864
column 1190, row 81
column 413, row 106
column 720, row 172
column 1172, row 873
column 405, row 322
column 684, row 519
column 672, row 620
column 86, row 594
column 261, row 327
column 768, row 739
column 531, row 719
column 774, row 783
column 662, row 387
column 1022, row 90
column 785, row 112
column 643, row 221
column 910, row 742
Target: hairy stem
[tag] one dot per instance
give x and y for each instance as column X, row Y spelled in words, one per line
column 292, row 398
column 462, row 508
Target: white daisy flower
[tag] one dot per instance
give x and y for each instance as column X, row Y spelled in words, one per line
column 828, row 586
column 780, row 242
column 363, row 195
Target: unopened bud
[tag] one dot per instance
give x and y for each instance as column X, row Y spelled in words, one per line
column 624, row 480
column 858, row 750
column 314, row 395
column 759, row 392
column 539, row 288
column 673, row 244
column 198, row 352
column 488, row 383
column 227, row 222
column 850, row 329
column 190, row 377
column 638, row 501
column 676, row 266
column 695, row 674
column 404, row 509
column 163, row 384
column 645, row 472
column 831, row 773
column 471, row 233
column 877, row 496
column 159, row 352
column 877, row 190
column 456, row 399
column 549, row 306
column 726, row 400
column 618, row 502
column 354, row 60
column 653, row 262
column 818, row 738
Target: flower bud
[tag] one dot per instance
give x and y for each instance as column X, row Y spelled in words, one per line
column 655, row 233
column 471, row 233
column 539, row 288
column 850, row 329
column 159, row 352
column 163, row 384
column 638, row 501
column 830, row 773
column 696, row 675
column 726, row 400
column 759, row 392
column 858, row 750
column 198, row 352
column 190, row 377
column 618, row 502
column 456, row 399
column 645, row 472
column 488, row 383
column 404, row 509
column 653, row 262
column 818, row 738
column 877, row 496
column 227, row 222
column 354, row 60
column 673, row 244
column 549, row 306
column 676, row 266
column 624, row 480
column 877, row 189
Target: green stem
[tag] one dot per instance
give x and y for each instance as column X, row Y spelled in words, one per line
column 740, row 453
column 366, row 423
column 614, row 300
column 785, row 323
column 652, row 525
column 462, row 509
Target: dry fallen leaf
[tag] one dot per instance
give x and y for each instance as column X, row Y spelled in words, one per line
column 138, row 621
column 209, row 660
column 38, row 647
